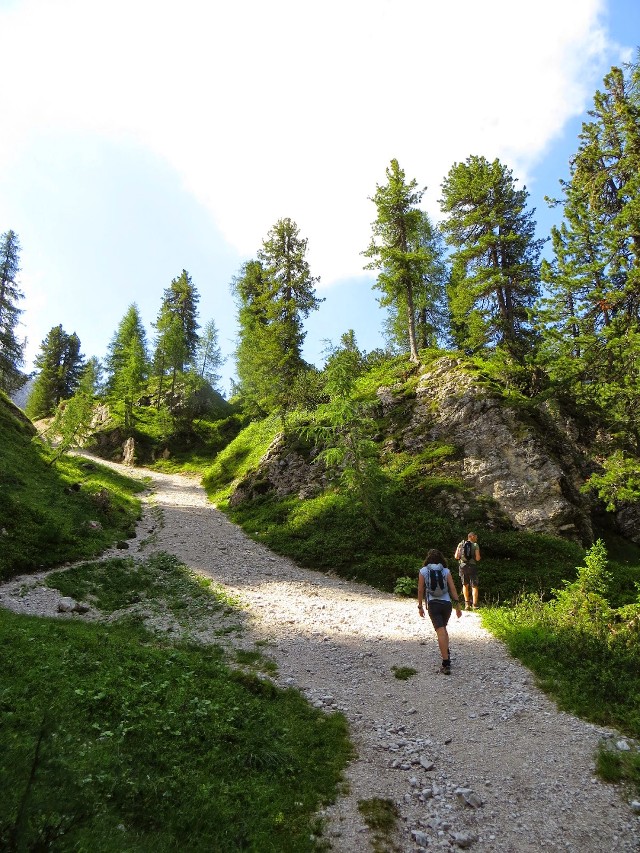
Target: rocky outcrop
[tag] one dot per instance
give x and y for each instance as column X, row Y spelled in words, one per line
column 285, row 469
column 524, row 463
column 527, row 465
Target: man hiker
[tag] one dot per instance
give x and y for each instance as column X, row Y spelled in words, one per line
column 468, row 555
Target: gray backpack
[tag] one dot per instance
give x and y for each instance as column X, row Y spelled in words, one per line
column 435, row 581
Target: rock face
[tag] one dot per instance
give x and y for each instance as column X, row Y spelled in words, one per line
column 285, row 470
column 529, row 467
column 526, row 464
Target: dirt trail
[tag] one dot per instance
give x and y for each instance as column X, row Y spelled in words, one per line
column 436, row 745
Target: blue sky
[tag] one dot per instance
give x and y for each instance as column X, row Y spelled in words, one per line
column 144, row 137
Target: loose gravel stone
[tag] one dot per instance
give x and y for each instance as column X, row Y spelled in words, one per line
column 420, row 742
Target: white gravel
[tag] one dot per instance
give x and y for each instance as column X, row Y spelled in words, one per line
column 435, row 745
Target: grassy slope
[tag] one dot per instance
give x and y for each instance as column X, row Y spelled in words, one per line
column 115, row 738
column 330, row 531
column 45, row 509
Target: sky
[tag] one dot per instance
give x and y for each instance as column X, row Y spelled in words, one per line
column 143, row 137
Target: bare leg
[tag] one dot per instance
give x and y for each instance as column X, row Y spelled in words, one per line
column 467, row 597
column 475, row 595
column 443, row 642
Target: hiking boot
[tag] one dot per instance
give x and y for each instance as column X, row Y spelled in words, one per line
column 445, row 669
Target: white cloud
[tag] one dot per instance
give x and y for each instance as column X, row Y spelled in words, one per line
column 284, row 108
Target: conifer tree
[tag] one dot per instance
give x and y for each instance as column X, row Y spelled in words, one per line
column 73, row 419
column 60, row 363
column 495, row 258
column 274, row 293
column 407, row 254
column 177, row 331
column 208, row 355
column 592, row 335
column 430, row 308
column 11, row 349
column 127, row 364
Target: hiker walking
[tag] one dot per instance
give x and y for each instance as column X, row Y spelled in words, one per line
column 468, row 554
column 435, row 584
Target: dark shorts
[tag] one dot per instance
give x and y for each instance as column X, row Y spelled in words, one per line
column 469, row 574
column 439, row 613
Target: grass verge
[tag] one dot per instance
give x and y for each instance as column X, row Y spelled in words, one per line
column 114, row 738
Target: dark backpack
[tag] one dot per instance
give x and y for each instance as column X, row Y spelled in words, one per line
column 468, row 551
column 436, row 586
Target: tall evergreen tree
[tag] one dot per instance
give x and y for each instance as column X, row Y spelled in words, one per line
column 60, row 363
column 592, row 336
column 11, row 349
column 407, row 254
column 495, row 258
column 127, row 364
column 177, row 331
column 430, row 308
column 274, row 294
column 208, row 355
column 73, row 419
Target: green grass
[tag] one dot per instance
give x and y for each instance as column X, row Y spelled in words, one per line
column 114, row 738
column 45, row 509
column 404, row 673
column 618, row 767
column 330, row 532
column 586, row 662
column 114, row 584
column 381, row 816
column 238, row 457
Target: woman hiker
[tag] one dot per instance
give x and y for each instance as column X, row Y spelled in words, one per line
column 435, row 584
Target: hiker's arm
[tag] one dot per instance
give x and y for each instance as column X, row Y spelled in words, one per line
column 420, row 593
column 453, row 592
column 478, row 557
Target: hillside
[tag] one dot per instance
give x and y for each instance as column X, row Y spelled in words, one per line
column 53, row 513
column 456, row 451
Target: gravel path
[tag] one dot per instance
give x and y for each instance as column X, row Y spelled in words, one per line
column 480, row 759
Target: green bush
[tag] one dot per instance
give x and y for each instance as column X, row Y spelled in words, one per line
column 583, row 650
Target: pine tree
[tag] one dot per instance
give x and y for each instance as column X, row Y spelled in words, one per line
column 177, row 331
column 495, row 258
column 274, row 294
column 592, row 344
column 430, row 308
column 127, row 364
column 60, row 363
column 11, row 350
column 407, row 253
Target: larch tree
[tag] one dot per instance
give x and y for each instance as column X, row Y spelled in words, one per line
column 406, row 254
column 127, row 364
column 208, row 359
column 73, row 420
column 11, row 349
column 495, row 258
column 177, row 331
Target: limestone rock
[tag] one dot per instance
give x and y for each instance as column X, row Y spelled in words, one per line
column 523, row 463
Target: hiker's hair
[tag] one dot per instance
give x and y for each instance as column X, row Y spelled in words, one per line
column 435, row 556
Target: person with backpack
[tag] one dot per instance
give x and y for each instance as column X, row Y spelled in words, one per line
column 468, row 555
column 435, row 584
